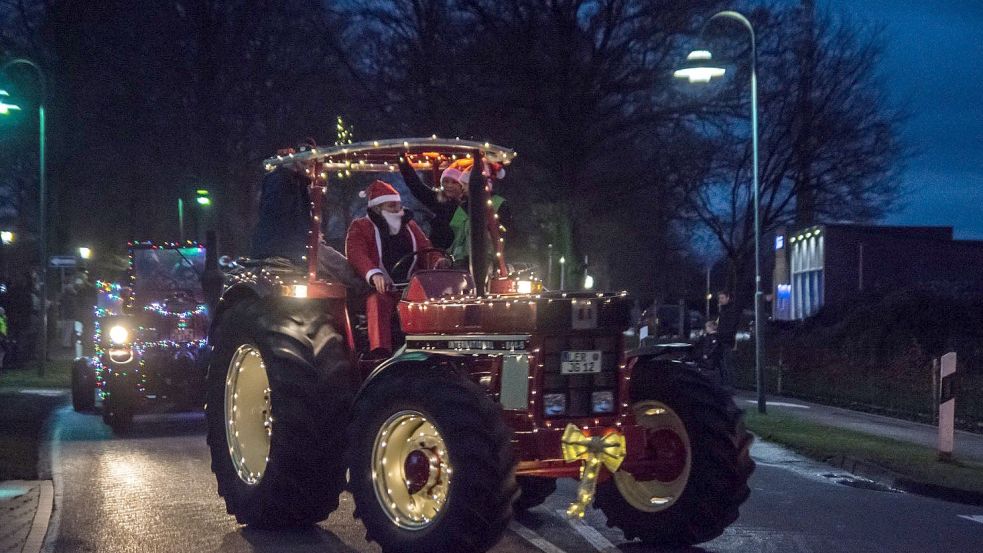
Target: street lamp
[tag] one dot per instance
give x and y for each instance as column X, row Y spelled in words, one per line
column 85, row 253
column 563, row 272
column 202, row 197
column 6, row 108
column 699, row 68
column 7, row 237
column 42, row 200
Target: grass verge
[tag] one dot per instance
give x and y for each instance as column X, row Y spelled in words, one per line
column 57, row 374
column 917, row 463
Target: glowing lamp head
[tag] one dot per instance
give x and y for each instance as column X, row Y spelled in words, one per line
column 85, row 253
column 6, row 108
column 699, row 68
column 6, row 236
column 118, row 334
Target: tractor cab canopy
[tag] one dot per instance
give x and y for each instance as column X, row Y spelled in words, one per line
column 286, row 208
column 383, row 156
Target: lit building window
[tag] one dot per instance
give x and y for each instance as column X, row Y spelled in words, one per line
column 807, row 274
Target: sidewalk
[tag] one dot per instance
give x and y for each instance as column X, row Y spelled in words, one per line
column 25, row 508
column 967, row 446
column 26, row 501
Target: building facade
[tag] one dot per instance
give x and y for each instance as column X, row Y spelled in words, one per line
column 826, row 264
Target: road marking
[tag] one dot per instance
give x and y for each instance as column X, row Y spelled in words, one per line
column 589, row 533
column 534, row 538
column 974, row 518
column 780, row 404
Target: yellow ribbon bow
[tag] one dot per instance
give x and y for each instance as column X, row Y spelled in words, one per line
column 608, row 450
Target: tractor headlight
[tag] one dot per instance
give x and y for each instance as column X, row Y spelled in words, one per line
column 602, row 402
column 119, row 334
column 554, row 404
column 523, row 287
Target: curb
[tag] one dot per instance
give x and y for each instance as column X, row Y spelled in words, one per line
column 39, row 528
column 894, row 480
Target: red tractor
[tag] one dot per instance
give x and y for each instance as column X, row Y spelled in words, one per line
column 498, row 389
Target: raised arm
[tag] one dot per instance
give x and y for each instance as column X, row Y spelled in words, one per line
column 426, row 195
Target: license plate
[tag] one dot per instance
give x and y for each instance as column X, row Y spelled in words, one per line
column 580, row 362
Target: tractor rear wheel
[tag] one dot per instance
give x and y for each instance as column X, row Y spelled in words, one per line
column 690, row 485
column 431, row 464
column 279, row 394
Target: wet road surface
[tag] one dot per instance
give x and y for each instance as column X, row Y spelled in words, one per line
column 152, row 491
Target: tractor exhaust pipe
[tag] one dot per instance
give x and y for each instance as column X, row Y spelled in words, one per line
column 477, row 213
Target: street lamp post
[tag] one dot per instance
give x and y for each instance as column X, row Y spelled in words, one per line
column 42, row 204
column 699, row 69
column 180, row 218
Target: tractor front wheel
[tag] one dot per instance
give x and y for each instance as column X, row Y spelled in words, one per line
column 431, row 464
column 535, row 491
column 83, row 386
column 688, row 487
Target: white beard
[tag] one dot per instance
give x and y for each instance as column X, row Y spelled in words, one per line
column 394, row 220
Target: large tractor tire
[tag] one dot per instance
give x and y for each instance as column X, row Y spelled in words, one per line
column 280, row 387
column 431, row 463
column 534, row 492
column 689, row 487
column 83, row 386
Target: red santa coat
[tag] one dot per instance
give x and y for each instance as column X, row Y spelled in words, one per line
column 363, row 246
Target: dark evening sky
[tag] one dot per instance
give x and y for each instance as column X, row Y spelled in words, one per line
column 934, row 66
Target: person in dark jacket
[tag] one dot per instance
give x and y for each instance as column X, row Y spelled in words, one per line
column 728, row 319
column 450, row 225
column 284, row 223
column 709, row 348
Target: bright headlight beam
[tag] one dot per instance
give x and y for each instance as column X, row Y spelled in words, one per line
column 118, row 334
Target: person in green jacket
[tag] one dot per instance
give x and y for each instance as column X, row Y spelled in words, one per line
column 454, row 181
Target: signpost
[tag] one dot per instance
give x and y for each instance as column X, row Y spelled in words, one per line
column 947, row 405
column 62, row 261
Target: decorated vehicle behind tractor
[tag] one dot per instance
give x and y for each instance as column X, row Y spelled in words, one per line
column 149, row 337
column 498, row 389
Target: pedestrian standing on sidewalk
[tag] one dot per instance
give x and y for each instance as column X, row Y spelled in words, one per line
column 727, row 320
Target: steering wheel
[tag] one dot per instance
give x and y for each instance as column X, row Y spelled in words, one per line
column 413, row 255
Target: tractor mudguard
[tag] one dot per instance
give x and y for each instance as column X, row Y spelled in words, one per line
column 289, row 320
column 409, row 361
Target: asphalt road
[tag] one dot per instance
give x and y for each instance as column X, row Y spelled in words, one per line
column 153, row 492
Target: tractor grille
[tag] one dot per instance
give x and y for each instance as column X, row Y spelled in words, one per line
column 580, row 388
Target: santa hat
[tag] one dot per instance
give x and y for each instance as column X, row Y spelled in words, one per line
column 380, row 192
column 460, row 170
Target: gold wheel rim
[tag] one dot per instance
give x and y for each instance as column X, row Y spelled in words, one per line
column 248, row 414
column 404, row 434
column 652, row 496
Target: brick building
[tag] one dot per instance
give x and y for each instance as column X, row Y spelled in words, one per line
column 826, row 264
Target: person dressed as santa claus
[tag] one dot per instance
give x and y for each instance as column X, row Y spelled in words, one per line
column 374, row 245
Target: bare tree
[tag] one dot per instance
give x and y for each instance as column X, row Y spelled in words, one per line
column 830, row 139
column 581, row 88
